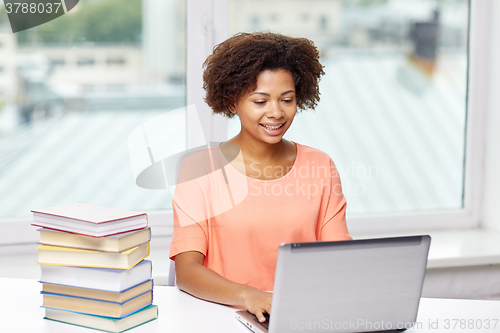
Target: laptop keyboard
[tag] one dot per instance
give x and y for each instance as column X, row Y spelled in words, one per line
column 266, row 323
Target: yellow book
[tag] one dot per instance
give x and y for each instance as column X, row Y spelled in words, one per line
column 65, row 256
column 114, row 243
column 97, row 307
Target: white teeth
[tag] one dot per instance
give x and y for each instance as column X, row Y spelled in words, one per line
column 272, row 127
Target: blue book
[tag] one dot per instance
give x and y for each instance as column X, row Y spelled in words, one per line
column 103, row 323
column 97, row 307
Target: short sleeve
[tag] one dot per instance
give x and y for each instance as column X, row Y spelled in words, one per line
column 189, row 205
column 188, row 235
column 333, row 225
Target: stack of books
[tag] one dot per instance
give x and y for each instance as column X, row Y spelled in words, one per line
column 93, row 271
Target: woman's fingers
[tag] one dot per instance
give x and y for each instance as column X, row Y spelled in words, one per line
column 257, row 302
column 260, row 315
column 268, row 308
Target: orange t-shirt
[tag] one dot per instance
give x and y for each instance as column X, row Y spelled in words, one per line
column 239, row 222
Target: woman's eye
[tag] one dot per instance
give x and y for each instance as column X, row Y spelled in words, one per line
column 260, row 102
column 288, row 100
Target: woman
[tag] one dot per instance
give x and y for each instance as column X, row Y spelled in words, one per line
column 285, row 192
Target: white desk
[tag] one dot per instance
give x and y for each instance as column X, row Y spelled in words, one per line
column 179, row 312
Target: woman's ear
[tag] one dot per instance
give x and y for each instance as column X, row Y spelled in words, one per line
column 232, row 108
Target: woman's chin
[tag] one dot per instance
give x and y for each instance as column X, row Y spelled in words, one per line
column 273, row 140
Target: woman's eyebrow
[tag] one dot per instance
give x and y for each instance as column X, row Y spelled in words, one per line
column 263, row 93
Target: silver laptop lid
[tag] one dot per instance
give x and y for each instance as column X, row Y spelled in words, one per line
column 349, row 286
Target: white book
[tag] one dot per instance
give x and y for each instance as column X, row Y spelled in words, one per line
column 116, row 280
column 89, row 219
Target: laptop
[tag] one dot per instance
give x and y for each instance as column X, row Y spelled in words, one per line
column 367, row 285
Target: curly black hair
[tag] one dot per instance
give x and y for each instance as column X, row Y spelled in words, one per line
column 232, row 69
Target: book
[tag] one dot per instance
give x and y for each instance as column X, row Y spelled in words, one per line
column 110, row 296
column 107, row 324
column 89, row 219
column 116, row 280
column 97, row 307
column 57, row 255
column 114, row 243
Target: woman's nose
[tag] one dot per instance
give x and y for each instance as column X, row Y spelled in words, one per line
column 275, row 110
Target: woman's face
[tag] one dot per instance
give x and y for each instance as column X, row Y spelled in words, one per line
column 267, row 112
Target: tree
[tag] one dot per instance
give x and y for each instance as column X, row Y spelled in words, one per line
column 104, row 21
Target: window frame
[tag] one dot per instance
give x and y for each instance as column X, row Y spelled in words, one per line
column 469, row 216
column 207, row 24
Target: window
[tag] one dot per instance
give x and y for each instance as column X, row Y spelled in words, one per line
column 393, row 111
column 56, row 153
column 255, row 21
column 85, row 62
column 323, row 23
column 115, row 61
column 67, row 140
column 58, row 62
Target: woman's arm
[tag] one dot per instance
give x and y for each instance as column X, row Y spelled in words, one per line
column 202, row 282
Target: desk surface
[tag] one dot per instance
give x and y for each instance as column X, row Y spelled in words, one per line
column 179, row 312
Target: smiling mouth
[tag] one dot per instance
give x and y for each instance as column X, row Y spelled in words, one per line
column 273, row 128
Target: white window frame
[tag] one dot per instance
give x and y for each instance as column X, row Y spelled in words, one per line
column 207, row 25
column 469, row 216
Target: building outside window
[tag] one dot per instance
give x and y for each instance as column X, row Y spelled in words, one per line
column 65, row 125
column 393, row 109
column 393, row 100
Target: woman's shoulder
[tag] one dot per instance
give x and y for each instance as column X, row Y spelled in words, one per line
column 193, row 162
column 308, row 153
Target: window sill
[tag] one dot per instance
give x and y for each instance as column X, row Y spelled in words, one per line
column 449, row 248
column 458, row 248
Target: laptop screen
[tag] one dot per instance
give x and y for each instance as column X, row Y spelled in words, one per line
column 349, row 286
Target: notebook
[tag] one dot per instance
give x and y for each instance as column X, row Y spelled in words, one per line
column 366, row 285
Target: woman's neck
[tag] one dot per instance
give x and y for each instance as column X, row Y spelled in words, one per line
column 256, row 150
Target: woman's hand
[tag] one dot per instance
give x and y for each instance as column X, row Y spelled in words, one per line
column 202, row 282
column 257, row 302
